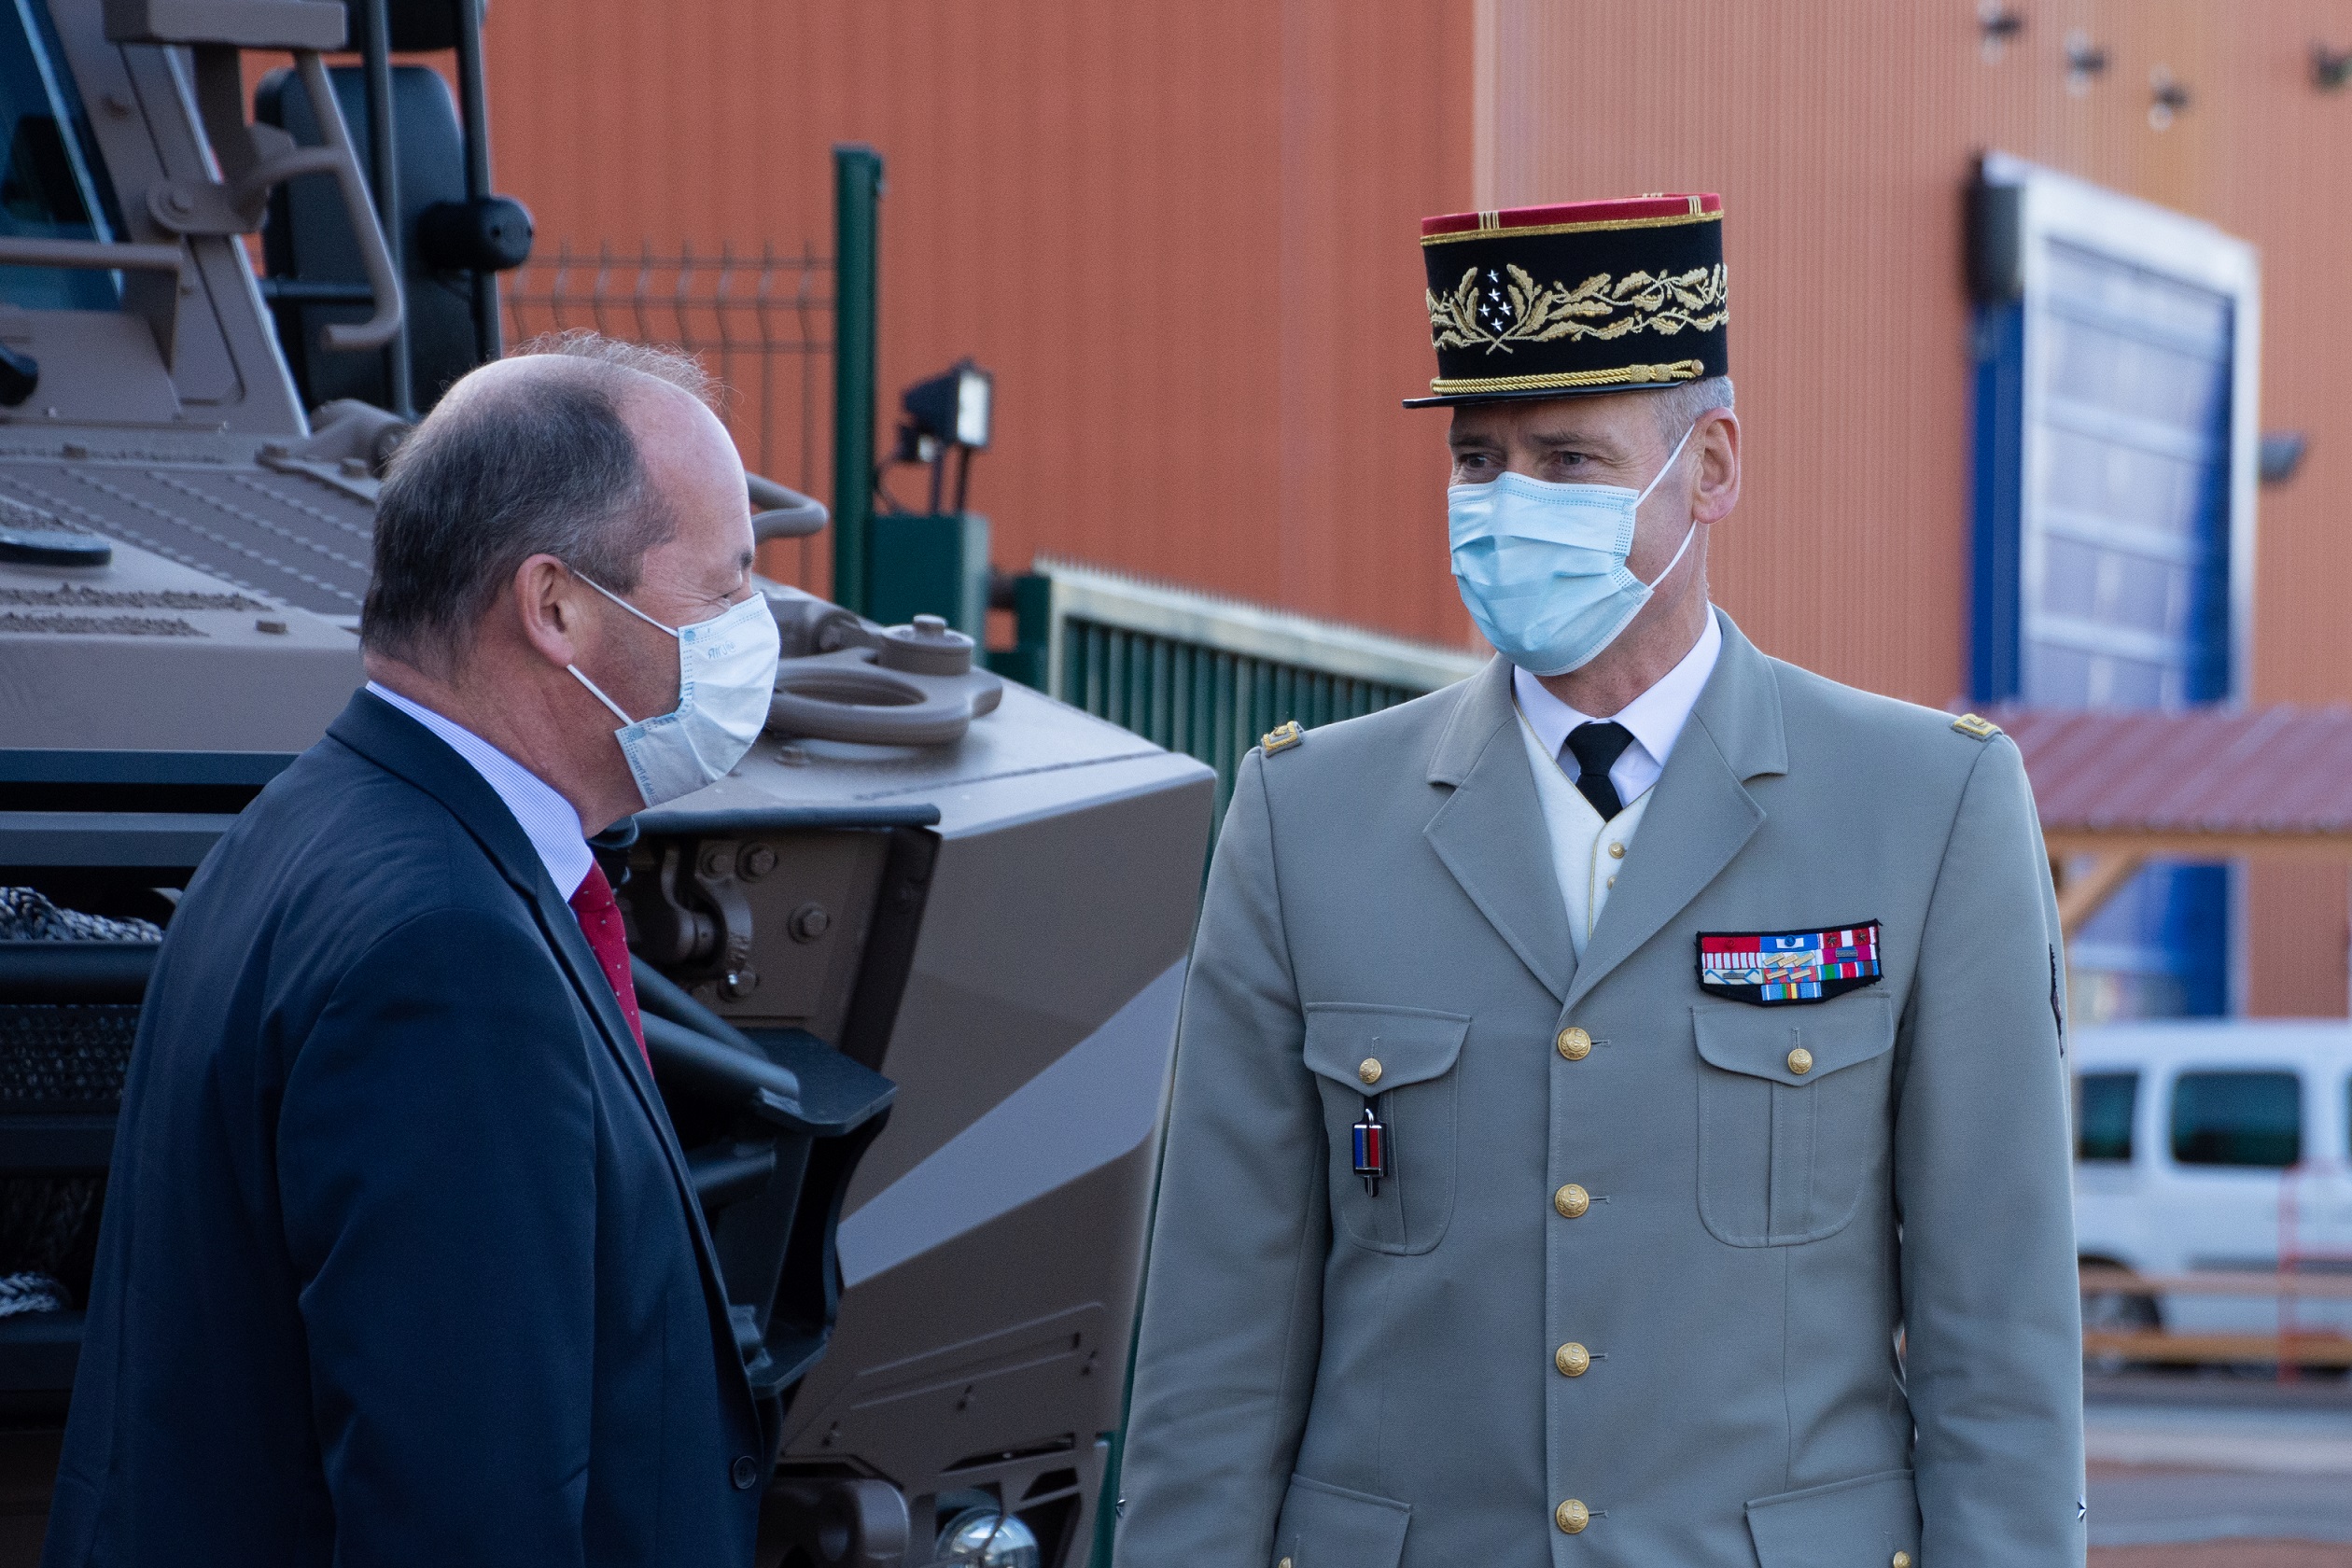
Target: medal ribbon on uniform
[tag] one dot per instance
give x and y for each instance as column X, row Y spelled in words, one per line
column 1768, row 968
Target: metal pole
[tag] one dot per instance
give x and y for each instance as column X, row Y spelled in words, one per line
column 383, row 159
column 472, row 95
column 857, row 203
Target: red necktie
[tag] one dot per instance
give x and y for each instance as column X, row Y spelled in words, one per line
column 600, row 923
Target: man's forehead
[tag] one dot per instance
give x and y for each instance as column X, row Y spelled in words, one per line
column 1552, row 422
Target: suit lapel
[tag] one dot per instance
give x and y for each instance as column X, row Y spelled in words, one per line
column 1490, row 830
column 1701, row 815
column 571, row 945
column 596, row 992
column 400, row 744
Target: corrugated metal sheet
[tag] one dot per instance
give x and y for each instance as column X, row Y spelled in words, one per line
column 2283, row 770
column 282, row 529
column 1182, row 235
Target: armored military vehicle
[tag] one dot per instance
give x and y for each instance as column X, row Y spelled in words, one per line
column 910, row 973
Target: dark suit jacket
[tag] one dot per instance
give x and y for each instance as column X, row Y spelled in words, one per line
column 400, row 1262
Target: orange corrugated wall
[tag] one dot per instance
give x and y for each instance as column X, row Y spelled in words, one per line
column 1181, row 235
column 1182, row 232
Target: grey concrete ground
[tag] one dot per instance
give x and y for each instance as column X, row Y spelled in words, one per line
column 2211, row 1457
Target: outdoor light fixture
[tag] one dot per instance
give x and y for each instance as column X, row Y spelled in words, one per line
column 2281, row 452
column 2085, row 62
column 2329, row 68
column 1996, row 24
column 948, row 412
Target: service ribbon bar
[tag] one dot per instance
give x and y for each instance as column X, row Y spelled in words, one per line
column 1789, row 966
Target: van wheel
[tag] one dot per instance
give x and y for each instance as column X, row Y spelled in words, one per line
column 2117, row 1312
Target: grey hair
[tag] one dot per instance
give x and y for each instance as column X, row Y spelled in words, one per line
column 503, row 471
column 682, row 371
column 1680, row 408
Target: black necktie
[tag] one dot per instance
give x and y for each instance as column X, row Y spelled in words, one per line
column 1597, row 748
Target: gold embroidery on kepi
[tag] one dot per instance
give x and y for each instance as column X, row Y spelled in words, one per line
column 1551, row 302
column 1283, row 737
column 1599, row 307
column 1975, row 728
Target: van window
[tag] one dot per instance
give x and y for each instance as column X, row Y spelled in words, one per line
column 2104, row 1103
column 2237, row 1118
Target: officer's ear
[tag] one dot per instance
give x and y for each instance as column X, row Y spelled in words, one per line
column 1715, row 481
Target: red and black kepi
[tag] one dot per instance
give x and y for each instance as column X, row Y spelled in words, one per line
column 1597, row 296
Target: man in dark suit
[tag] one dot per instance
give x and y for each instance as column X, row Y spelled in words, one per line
column 400, row 1262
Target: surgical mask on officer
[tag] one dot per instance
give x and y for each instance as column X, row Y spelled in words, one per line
column 1542, row 567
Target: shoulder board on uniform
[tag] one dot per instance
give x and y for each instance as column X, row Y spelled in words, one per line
column 1283, row 737
column 1975, row 728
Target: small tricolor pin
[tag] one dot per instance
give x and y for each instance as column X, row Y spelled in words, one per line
column 1371, row 1151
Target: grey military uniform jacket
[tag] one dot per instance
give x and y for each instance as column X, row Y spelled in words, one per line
column 1827, row 1316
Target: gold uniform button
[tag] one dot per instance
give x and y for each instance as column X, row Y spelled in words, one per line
column 1616, row 851
column 1572, row 1517
column 1573, row 1043
column 1800, row 1061
column 1900, row 1559
column 1573, row 1360
column 1284, row 1563
column 1370, row 1070
column 1572, row 1201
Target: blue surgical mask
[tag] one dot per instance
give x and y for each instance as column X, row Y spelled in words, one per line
column 1542, row 567
column 726, row 675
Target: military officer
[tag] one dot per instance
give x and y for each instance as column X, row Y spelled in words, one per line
column 1619, row 1114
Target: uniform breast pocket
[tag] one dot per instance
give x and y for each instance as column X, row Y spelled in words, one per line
column 1401, row 1062
column 1792, row 1116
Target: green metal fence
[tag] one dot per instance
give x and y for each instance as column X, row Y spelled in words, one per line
column 1205, row 675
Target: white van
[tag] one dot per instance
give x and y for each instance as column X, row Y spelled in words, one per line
column 2215, row 1144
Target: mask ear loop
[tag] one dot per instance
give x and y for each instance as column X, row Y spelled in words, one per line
column 1662, row 471
column 673, row 630
column 1689, row 534
column 597, row 690
column 1692, row 534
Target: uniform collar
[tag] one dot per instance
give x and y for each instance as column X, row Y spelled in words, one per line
column 1656, row 717
column 1740, row 708
column 1481, row 829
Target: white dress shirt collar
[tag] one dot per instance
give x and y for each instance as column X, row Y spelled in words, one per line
column 546, row 816
column 1656, row 717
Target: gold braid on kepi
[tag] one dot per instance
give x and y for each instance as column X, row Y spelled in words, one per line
column 1558, row 301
